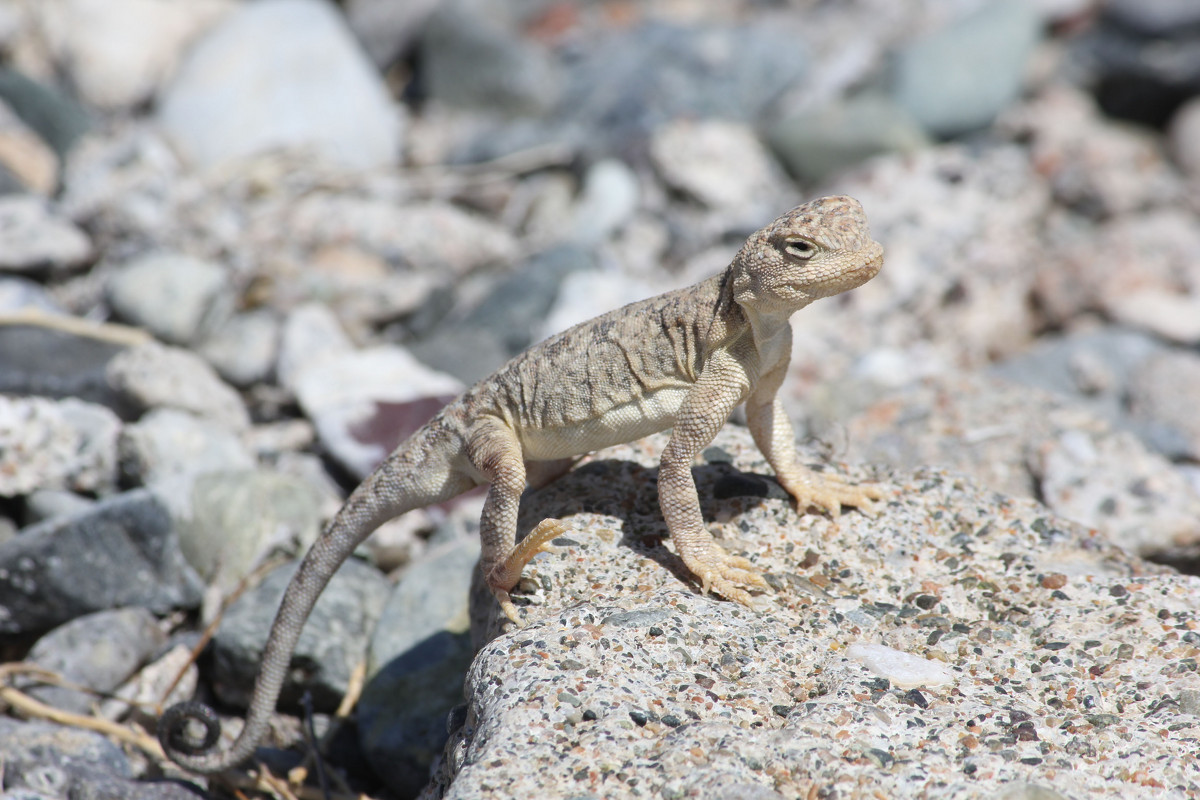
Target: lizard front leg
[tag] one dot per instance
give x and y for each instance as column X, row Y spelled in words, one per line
column 495, row 452
column 717, row 392
column 772, row 432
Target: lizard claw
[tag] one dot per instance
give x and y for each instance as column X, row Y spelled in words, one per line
column 831, row 492
column 726, row 575
column 505, row 575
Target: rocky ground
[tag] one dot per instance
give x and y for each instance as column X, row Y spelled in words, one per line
column 246, row 246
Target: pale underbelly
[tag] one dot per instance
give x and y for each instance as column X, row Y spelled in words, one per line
column 618, row 425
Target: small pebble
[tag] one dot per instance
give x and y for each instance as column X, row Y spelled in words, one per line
column 904, row 670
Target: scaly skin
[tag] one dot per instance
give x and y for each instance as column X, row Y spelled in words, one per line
column 683, row 360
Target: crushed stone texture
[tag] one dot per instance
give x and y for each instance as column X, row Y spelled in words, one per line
column 1073, row 666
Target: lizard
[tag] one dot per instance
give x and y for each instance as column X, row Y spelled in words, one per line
column 683, row 360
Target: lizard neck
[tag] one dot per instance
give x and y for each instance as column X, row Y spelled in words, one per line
column 767, row 327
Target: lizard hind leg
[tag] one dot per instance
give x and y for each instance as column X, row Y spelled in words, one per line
column 505, row 575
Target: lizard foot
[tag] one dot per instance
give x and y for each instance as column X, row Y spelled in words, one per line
column 830, row 492
column 725, row 574
column 505, row 575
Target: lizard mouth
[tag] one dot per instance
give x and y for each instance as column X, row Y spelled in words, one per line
column 872, row 267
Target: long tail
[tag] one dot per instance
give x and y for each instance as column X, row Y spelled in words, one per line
column 417, row 474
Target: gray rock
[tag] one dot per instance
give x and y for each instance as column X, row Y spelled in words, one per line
column 622, row 85
column 42, row 360
column 824, row 141
column 470, row 58
column 35, row 744
column 233, row 519
column 106, row 787
column 18, row 293
column 419, row 654
column 1095, row 369
column 56, row 117
column 588, row 293
column 1138, row 76
column 958, row 79
column 56, row 444
column 27, row 794
column 26, row 160
column 99, row 651
column 636, row 79
column 1025, row 442
column 1154, row 18
column 1162, row 395
column 505, row 322
column 123, row 552
column 1125, row 377
column 1189, row 702
column 715, row 694
column 34, row 239
column 333, row 643
column 280, row 74
column 152, row 375
column 387, row 29
column 167, row 443
column 43, row 761
column 176, row 297
column 244, row 349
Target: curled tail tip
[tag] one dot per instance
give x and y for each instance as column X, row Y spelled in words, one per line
column 176, row 734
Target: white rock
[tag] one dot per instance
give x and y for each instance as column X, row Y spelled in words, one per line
column 311, row 333
column 431, row 236
column 1168, row 314
column 33, row 238
column 245, row 348
column 149, row 686
column 721, row 164
column 904, row 670
column 343, row 396
column 167, row 443
column 608, row 201
column 1091, row 161
column 174, row 296
column 118, row 53
column 1113, row 483
column 281, row 74
column 152, row 375
column 1184, row 139
column 56, row 444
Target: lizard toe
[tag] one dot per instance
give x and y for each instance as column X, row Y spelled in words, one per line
column 730, row 576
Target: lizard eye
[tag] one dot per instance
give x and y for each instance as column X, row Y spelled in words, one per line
column 800, row 248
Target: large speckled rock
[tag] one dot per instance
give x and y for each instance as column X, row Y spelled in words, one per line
column 1056, row 660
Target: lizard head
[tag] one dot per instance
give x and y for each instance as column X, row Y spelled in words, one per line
column 815, row 250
